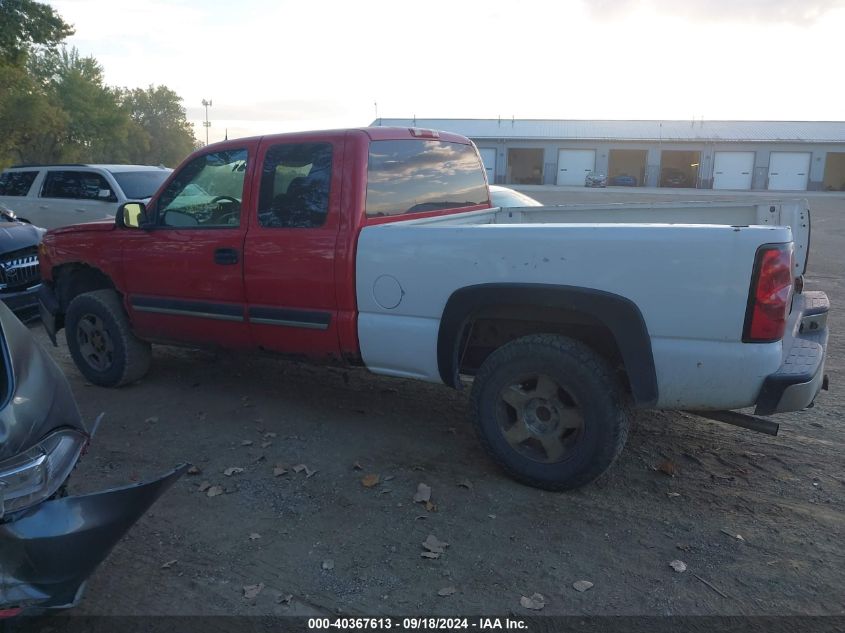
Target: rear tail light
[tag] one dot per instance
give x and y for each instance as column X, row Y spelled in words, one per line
column 770, row 296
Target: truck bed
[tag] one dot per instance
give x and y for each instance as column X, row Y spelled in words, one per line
column 775, row 212
column 686, row 266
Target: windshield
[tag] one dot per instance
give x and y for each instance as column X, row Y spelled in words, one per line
column 138, row 185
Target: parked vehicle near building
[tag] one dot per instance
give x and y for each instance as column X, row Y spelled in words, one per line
column 20, row 277
column 623, row 180
column 507, row 197
column 595, row 179
column 49, row 542
column 380, row 247
column 672, row 177
column 59, row 195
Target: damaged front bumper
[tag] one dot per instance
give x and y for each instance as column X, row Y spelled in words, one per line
column 48, row 551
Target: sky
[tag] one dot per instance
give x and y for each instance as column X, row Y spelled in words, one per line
column 272, row 66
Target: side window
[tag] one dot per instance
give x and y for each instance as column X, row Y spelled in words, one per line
column 77, row 185
column 415, row 176
column 16, row 183
column 295, row 182
column 207, row 192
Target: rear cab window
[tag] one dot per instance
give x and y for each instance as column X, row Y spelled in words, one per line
column 412, row 176
column 16, row 183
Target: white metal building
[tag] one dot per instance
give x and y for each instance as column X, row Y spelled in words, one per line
column 776, row 155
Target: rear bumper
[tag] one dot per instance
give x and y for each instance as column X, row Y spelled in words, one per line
column 801, row 375
column 47, row 552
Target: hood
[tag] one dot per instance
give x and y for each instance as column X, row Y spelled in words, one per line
column 35, row 397
column 107, row 225
column 17, row 235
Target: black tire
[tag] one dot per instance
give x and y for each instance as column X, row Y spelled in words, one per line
column 562, row 398
column 101, row 340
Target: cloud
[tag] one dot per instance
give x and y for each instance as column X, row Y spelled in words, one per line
column 802, row 12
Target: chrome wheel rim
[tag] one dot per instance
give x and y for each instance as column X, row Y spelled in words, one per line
column 539, row 418
column 95, row 343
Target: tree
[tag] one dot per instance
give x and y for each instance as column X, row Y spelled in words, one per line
column 56, row 107
column 30, row 120
column 26, row 24
column 97, row 127
column 158, row 112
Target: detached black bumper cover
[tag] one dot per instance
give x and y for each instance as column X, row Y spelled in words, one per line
column 24, row 303
column 47, row 552
column 48, row 309
column 801, row 375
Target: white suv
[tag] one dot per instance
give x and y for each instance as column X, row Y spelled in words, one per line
column 59, row 195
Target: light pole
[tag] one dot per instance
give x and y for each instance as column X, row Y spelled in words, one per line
column 206, row 124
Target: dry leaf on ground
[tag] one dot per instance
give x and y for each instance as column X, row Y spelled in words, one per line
column 535, row 602
column 279, row 470
column 215, row 491
column 233, row 470
column 433, row 544
column 193, row 470
column 446, row 591
column 302, row 467
column 328, row 564
column 423, row 494
column 252, row 591
column 582, row 585
column 204, row 486
column 254, row 536
column 668, row 468
column 368, row 481
column 465, row 483
column 247, row 443
column 678, row 565
column 169, row 564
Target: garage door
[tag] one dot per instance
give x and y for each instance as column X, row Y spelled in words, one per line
column 488, row 157
column 573, row 165
column 789, row 171
column 733, row 170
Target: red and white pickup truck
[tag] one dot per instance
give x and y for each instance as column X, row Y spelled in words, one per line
column 379, row 247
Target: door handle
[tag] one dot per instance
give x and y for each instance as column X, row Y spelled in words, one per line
column 225, row 256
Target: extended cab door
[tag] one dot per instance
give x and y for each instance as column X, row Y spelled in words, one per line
column 184, row 275
column 289, row 267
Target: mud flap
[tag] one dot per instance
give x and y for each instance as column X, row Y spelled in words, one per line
column 47, row 552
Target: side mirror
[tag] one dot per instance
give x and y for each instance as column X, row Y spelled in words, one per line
column 131, row 215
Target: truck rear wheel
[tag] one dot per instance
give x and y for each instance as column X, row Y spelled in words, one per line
column 549, row 410
column 101, row 340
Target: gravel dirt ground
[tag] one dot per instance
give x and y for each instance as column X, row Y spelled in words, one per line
column 759, row 521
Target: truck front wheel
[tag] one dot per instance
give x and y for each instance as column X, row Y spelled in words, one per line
column 549, row 410
column 101, row 340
